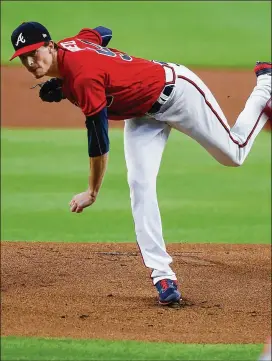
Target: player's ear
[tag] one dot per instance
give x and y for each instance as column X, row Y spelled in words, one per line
column 50, row 44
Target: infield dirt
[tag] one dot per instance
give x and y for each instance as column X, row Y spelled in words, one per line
column 104, row 290
column 21, row 106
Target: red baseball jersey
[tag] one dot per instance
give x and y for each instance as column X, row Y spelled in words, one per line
column 95, row 77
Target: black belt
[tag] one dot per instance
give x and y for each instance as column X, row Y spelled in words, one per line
column 165, row 94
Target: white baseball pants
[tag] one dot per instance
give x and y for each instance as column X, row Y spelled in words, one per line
column 193, row 110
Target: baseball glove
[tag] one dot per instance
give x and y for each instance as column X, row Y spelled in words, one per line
column 51, row 91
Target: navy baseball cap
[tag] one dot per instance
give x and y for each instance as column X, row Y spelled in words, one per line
column 28, row 37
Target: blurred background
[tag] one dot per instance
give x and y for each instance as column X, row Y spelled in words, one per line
column 199, row 33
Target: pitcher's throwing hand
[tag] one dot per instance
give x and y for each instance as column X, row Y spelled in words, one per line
column 81, row 201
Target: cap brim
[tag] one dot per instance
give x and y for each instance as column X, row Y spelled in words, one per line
column 26, row 49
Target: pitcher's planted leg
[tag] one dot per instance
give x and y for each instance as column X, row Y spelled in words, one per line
column 145, row 139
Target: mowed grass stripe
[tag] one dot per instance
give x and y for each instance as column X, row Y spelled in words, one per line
column 199, row 33
column 19, row 348
column 200, row 200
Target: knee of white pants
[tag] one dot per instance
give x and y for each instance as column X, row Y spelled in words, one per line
column 228, row 157
column 230, row 154
column 142, row 194
column 232, row 162
column 139, row 181
column 136, row 184
column 235, row 164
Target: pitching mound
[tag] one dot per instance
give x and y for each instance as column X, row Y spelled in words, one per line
column 103, row 291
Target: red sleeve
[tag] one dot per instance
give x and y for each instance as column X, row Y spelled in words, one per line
column 89, row 34
column 90, row 95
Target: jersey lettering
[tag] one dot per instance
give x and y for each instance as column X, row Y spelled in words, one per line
column 70, row 45
column 99, row 49
column 159, row 62
column 105, row 51
column 125, row 57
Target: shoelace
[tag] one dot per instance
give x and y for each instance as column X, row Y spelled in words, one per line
column 165, row 284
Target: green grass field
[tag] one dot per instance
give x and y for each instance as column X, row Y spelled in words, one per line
column 201, row 201
column 65, row 349
column 199, row 33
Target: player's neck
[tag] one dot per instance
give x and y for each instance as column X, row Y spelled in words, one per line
column 54, row 68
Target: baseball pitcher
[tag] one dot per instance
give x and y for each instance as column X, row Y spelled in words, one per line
column 154, row 98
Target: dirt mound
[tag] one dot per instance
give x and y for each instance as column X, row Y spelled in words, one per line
column 103, row 291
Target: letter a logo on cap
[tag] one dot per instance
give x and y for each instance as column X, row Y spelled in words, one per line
column 20, row 39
